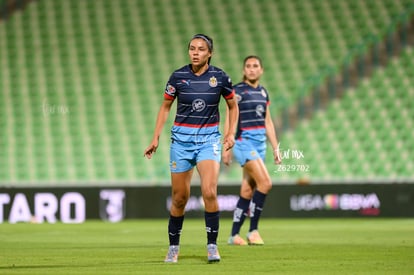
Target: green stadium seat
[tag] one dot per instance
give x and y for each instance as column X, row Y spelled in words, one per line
column 108, row 63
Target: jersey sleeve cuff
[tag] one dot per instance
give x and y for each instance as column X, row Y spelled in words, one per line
column 167, row 96
column 231, row 95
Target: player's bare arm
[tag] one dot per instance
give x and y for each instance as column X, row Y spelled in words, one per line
column 233, row 116
column 271, row 135
column 159, row 125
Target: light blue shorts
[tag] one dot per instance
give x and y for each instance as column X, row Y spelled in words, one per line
column 249, row 149
column 185, row 155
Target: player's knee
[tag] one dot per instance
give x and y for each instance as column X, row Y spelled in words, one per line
column 180, row 202
column 209, row 195
column 269, row 185
column 246, row 193
column 265, row 185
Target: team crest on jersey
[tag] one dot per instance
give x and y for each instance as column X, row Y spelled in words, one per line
column 263, row 93
column 170, row 89
column 198, row 105
column 212, row 82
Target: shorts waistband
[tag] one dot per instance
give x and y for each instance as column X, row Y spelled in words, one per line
column 200, row 141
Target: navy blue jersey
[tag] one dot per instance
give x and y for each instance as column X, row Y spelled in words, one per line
column 253, row 104
column 198, row 99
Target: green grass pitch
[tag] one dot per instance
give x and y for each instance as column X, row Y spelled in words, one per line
column 292, row 246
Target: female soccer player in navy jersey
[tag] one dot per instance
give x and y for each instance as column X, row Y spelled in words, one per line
column 255, row 123
column 195, row 138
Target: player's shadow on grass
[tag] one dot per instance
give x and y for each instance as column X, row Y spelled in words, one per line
column 21, row 267
column 193, row 258
column 188, row 259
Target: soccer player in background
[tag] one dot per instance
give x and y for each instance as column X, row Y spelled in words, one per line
column 195, row 138
column 255, row 124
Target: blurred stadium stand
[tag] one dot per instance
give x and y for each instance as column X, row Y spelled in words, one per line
column 81, row 83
